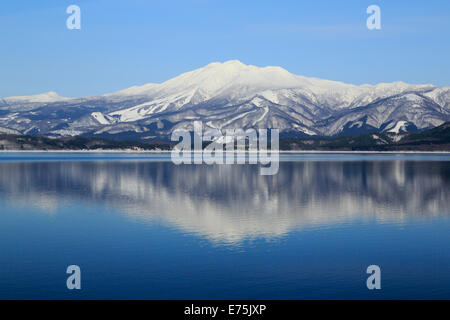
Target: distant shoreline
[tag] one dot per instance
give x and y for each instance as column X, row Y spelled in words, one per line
column 236, row 152
column 432, row 141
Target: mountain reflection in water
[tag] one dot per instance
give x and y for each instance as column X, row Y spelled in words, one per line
column 231, row 203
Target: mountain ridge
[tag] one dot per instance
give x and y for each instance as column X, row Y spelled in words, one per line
column 233, row 95
column 436, row 139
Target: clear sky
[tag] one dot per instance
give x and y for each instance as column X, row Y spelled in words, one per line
column 133, row 42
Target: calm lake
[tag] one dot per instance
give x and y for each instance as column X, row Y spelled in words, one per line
column 141, row 227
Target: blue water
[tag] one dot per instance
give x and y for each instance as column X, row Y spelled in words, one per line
column 141, row 227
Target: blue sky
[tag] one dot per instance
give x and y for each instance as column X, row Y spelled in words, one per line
column 133, row 42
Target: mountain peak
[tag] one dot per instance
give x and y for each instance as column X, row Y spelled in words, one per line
column 234, row 79
column 50, row 96
column 221, row 77
column 238, row 65
column 224, row 67
column 231, row 94
column 234, row 62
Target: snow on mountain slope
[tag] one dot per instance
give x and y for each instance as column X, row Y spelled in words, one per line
column 236, row 82
column 218, row 79
column 46, row 97
column 8, row 131
column 100, row 118
column 442, row 97
column 416, row 109
column 168, row 103
column 400, row 126
column 234, row 79
column 134, row 91
column 234, row 95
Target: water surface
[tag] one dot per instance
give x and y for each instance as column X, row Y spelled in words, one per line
column 141, row 227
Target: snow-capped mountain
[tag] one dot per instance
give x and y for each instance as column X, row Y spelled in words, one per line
column 233, row 95
column 46, row 97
